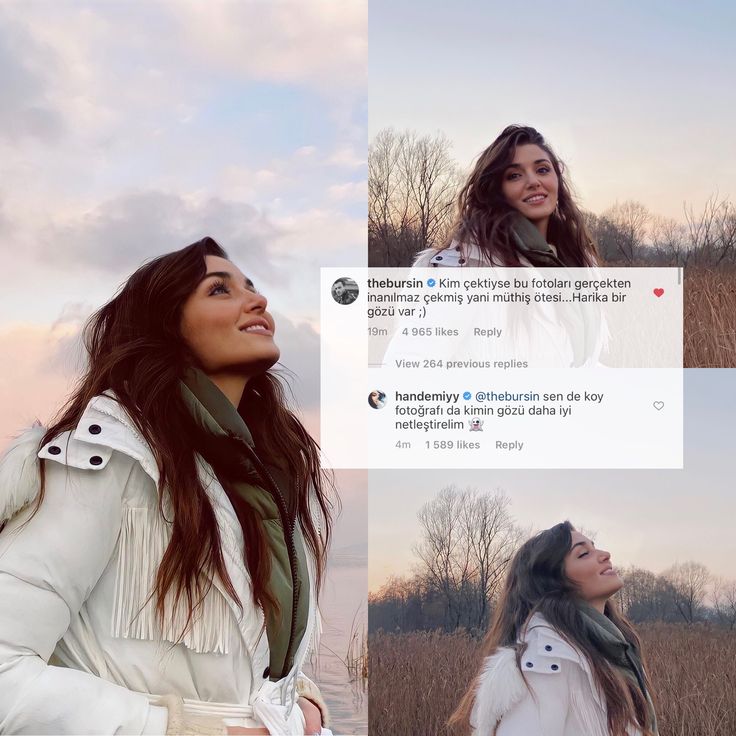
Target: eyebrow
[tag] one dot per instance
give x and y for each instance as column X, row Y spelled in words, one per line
column 538, row 161
column 581, row 544
column 227, row 275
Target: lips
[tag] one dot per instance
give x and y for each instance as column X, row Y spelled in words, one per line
column 608, row 571
column 257, row 326
column 535, row 198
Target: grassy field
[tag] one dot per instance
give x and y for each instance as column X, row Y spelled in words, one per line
column 415, row 680
column 710, row 319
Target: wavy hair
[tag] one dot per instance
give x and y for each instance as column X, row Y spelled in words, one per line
column 536, row 583
column 484, row 216
column 135, row 348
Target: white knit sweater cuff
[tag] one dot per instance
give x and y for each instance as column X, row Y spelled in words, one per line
column 187, row 725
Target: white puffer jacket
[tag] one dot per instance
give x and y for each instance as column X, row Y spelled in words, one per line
column 74, row 585
column 555, row 694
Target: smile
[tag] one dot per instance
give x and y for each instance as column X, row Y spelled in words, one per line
column 260, row 327
column 609, row 571
column 536, row 199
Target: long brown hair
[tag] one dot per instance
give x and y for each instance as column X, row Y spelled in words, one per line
column 536, row 582
column 484, row 217
column 135, row 348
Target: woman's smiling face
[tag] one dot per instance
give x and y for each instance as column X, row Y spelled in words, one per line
column 591, row 571
column 225, row 323
column 530, row 183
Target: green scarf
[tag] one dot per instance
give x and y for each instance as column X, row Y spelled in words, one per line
column 220, row 424
column 582, row 322
column 529, row 242
column 612, row 644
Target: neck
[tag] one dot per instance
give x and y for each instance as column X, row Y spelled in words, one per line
column 541, row 225
column 599, row 605
column 231, row 384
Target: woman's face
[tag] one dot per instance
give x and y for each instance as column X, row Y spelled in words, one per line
column 591, row 571
column 225, row 322
column 530, row 183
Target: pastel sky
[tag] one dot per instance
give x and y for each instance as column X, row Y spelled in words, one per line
column 635, row 97
column 131, row 129
column 648, row 518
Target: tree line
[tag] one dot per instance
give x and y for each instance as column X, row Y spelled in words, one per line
column 413, row 184
column 467, row 539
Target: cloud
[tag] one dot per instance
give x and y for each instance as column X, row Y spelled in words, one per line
column 351, row 191
column 27, row 111
column 122, row 232
column 321, row 43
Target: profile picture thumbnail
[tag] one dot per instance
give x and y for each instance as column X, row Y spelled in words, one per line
column 345, row 290
column 377, row 399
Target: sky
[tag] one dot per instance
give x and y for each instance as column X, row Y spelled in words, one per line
column 634, row 97
column 648, row 518
column 132, row 129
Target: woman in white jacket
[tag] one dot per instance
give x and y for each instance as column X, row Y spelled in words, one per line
column 561, row 660
column 516, row 209
column 164, row 539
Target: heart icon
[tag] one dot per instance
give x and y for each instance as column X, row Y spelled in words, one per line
column 658, row 292
column 658, row 405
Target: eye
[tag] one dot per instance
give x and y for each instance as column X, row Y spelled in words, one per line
column 512, row 175
column 218, row 287
column 584, row 554
column 543, row 170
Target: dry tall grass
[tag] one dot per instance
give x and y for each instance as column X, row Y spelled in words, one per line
column 416, row 679
column 709, row 318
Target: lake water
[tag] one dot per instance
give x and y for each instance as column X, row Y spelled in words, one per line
column 344, row 610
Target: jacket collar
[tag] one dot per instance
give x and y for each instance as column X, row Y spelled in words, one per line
column 107, row 424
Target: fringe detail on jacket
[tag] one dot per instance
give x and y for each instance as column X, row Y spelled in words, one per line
column 144, row 537
column 589, row 715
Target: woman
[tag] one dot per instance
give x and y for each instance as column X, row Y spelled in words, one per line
column 561, row 660
column 516, row 209
column 160, row 564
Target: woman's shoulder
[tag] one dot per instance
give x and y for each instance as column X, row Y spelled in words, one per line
column 547, row 650
column 456, row 254
column 499, row 687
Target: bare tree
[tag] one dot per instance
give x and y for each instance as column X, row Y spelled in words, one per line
column 713, row 231
column 628, row 222
column 467, row 540
column 670, row 241
column 689, row 582
column 724, row 602
column 412, row 186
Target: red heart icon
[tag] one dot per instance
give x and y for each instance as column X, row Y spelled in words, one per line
column 658, row 292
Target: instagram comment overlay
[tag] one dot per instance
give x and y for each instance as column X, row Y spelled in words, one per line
column 501, row 368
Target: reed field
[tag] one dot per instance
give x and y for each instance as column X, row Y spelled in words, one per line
column 710, row 318
column 416, row 679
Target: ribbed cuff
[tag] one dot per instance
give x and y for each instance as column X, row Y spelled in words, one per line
column 182, row 724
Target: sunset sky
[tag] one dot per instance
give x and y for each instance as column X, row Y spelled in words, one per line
column 634, row 97
column 132, row 129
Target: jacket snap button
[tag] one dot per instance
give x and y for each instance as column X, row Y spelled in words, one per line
column 54, row 450
column 95, row 429
column 461, row 261
column 438, row 258
column 266, row 672
column 548, row 648
column 95, row 460
column 555, row 667
column 530, row 664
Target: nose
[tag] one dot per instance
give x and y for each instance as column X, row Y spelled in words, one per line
column 532, row 180
column 254, row 302
column 604, row 556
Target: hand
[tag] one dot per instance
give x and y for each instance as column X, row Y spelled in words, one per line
column 312, row 715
